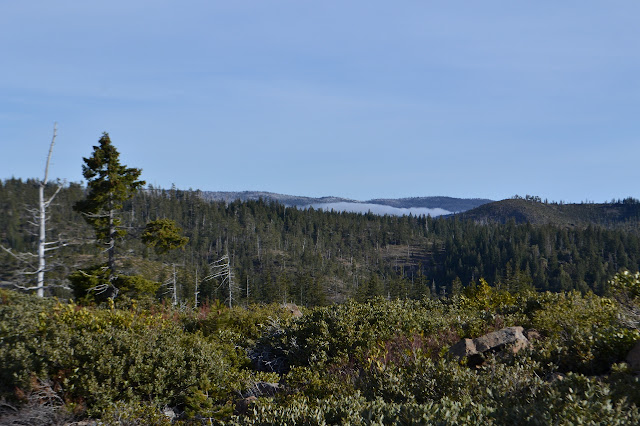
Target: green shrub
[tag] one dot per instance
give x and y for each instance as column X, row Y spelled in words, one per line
column 95, row 284
column 378, row 362
column 583, row 333
column 625, row 288
column 100, row 356
column 133, row 414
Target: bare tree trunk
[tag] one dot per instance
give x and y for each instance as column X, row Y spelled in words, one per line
column 42, row 215
column 195, row 294
column 41, row 241
column 230, row 281
column 175, row 287
column 112, row 239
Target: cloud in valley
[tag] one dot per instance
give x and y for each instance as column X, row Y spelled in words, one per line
column 379, row 209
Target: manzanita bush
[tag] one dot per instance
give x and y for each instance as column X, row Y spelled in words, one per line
column 374, row 362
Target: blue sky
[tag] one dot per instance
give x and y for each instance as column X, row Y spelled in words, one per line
column 359, row 99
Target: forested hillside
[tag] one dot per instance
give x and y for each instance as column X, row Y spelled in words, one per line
column 312, row 257
column 619, row 214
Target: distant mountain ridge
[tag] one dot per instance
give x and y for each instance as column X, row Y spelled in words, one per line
column 436, row 205
column 287, row 200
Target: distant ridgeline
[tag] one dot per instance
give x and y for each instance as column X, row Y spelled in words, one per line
column 434, row 206
column 312, row 257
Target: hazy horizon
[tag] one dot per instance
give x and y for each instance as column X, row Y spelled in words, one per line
column 359, row 100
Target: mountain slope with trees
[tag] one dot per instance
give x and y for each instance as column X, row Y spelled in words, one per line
column 313, row 257
column 617, row 214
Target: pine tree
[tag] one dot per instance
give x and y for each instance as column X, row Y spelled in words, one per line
column 164, row 235
column 109, row 184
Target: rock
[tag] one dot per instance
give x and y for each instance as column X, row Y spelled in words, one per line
column 293, row 309
column 169, row 413
column 633, row 357
column 464, row 347
column 498, row 339
column 491, row 342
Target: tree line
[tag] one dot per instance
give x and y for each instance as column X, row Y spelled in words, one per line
column 169, row 239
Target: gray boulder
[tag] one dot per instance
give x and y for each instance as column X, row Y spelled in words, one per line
column 464, row 347
column 511, row 337
column 497, row 340
column 293, row 309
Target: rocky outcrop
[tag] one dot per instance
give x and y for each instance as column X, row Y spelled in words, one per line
column 293, row 309
column 473, row 349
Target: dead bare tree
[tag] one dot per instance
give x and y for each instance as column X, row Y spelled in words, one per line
column 172, row 286
column 221, row 269
column 196, row 292
column 39, row 216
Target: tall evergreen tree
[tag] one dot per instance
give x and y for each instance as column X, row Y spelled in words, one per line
column 109, row 184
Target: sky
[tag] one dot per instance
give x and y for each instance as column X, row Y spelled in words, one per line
column 356, row 99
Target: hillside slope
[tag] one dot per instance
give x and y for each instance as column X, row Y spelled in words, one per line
column 562, row 215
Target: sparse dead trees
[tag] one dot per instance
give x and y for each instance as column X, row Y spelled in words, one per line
column 221, row 271
column 39, row 220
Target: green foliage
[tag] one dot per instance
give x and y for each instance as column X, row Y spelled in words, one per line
column 583, row 333
column 378, row 362
column 357, row 410
column 133, row 414
column 100, row 356
column 136, row 286
column 83, row 282
column 341, row 333
column 627, row 284
column 625, row 289
column 315, row 258
column 484, row 297
column 94, row 283
column 109, row 184
column 164, row 235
